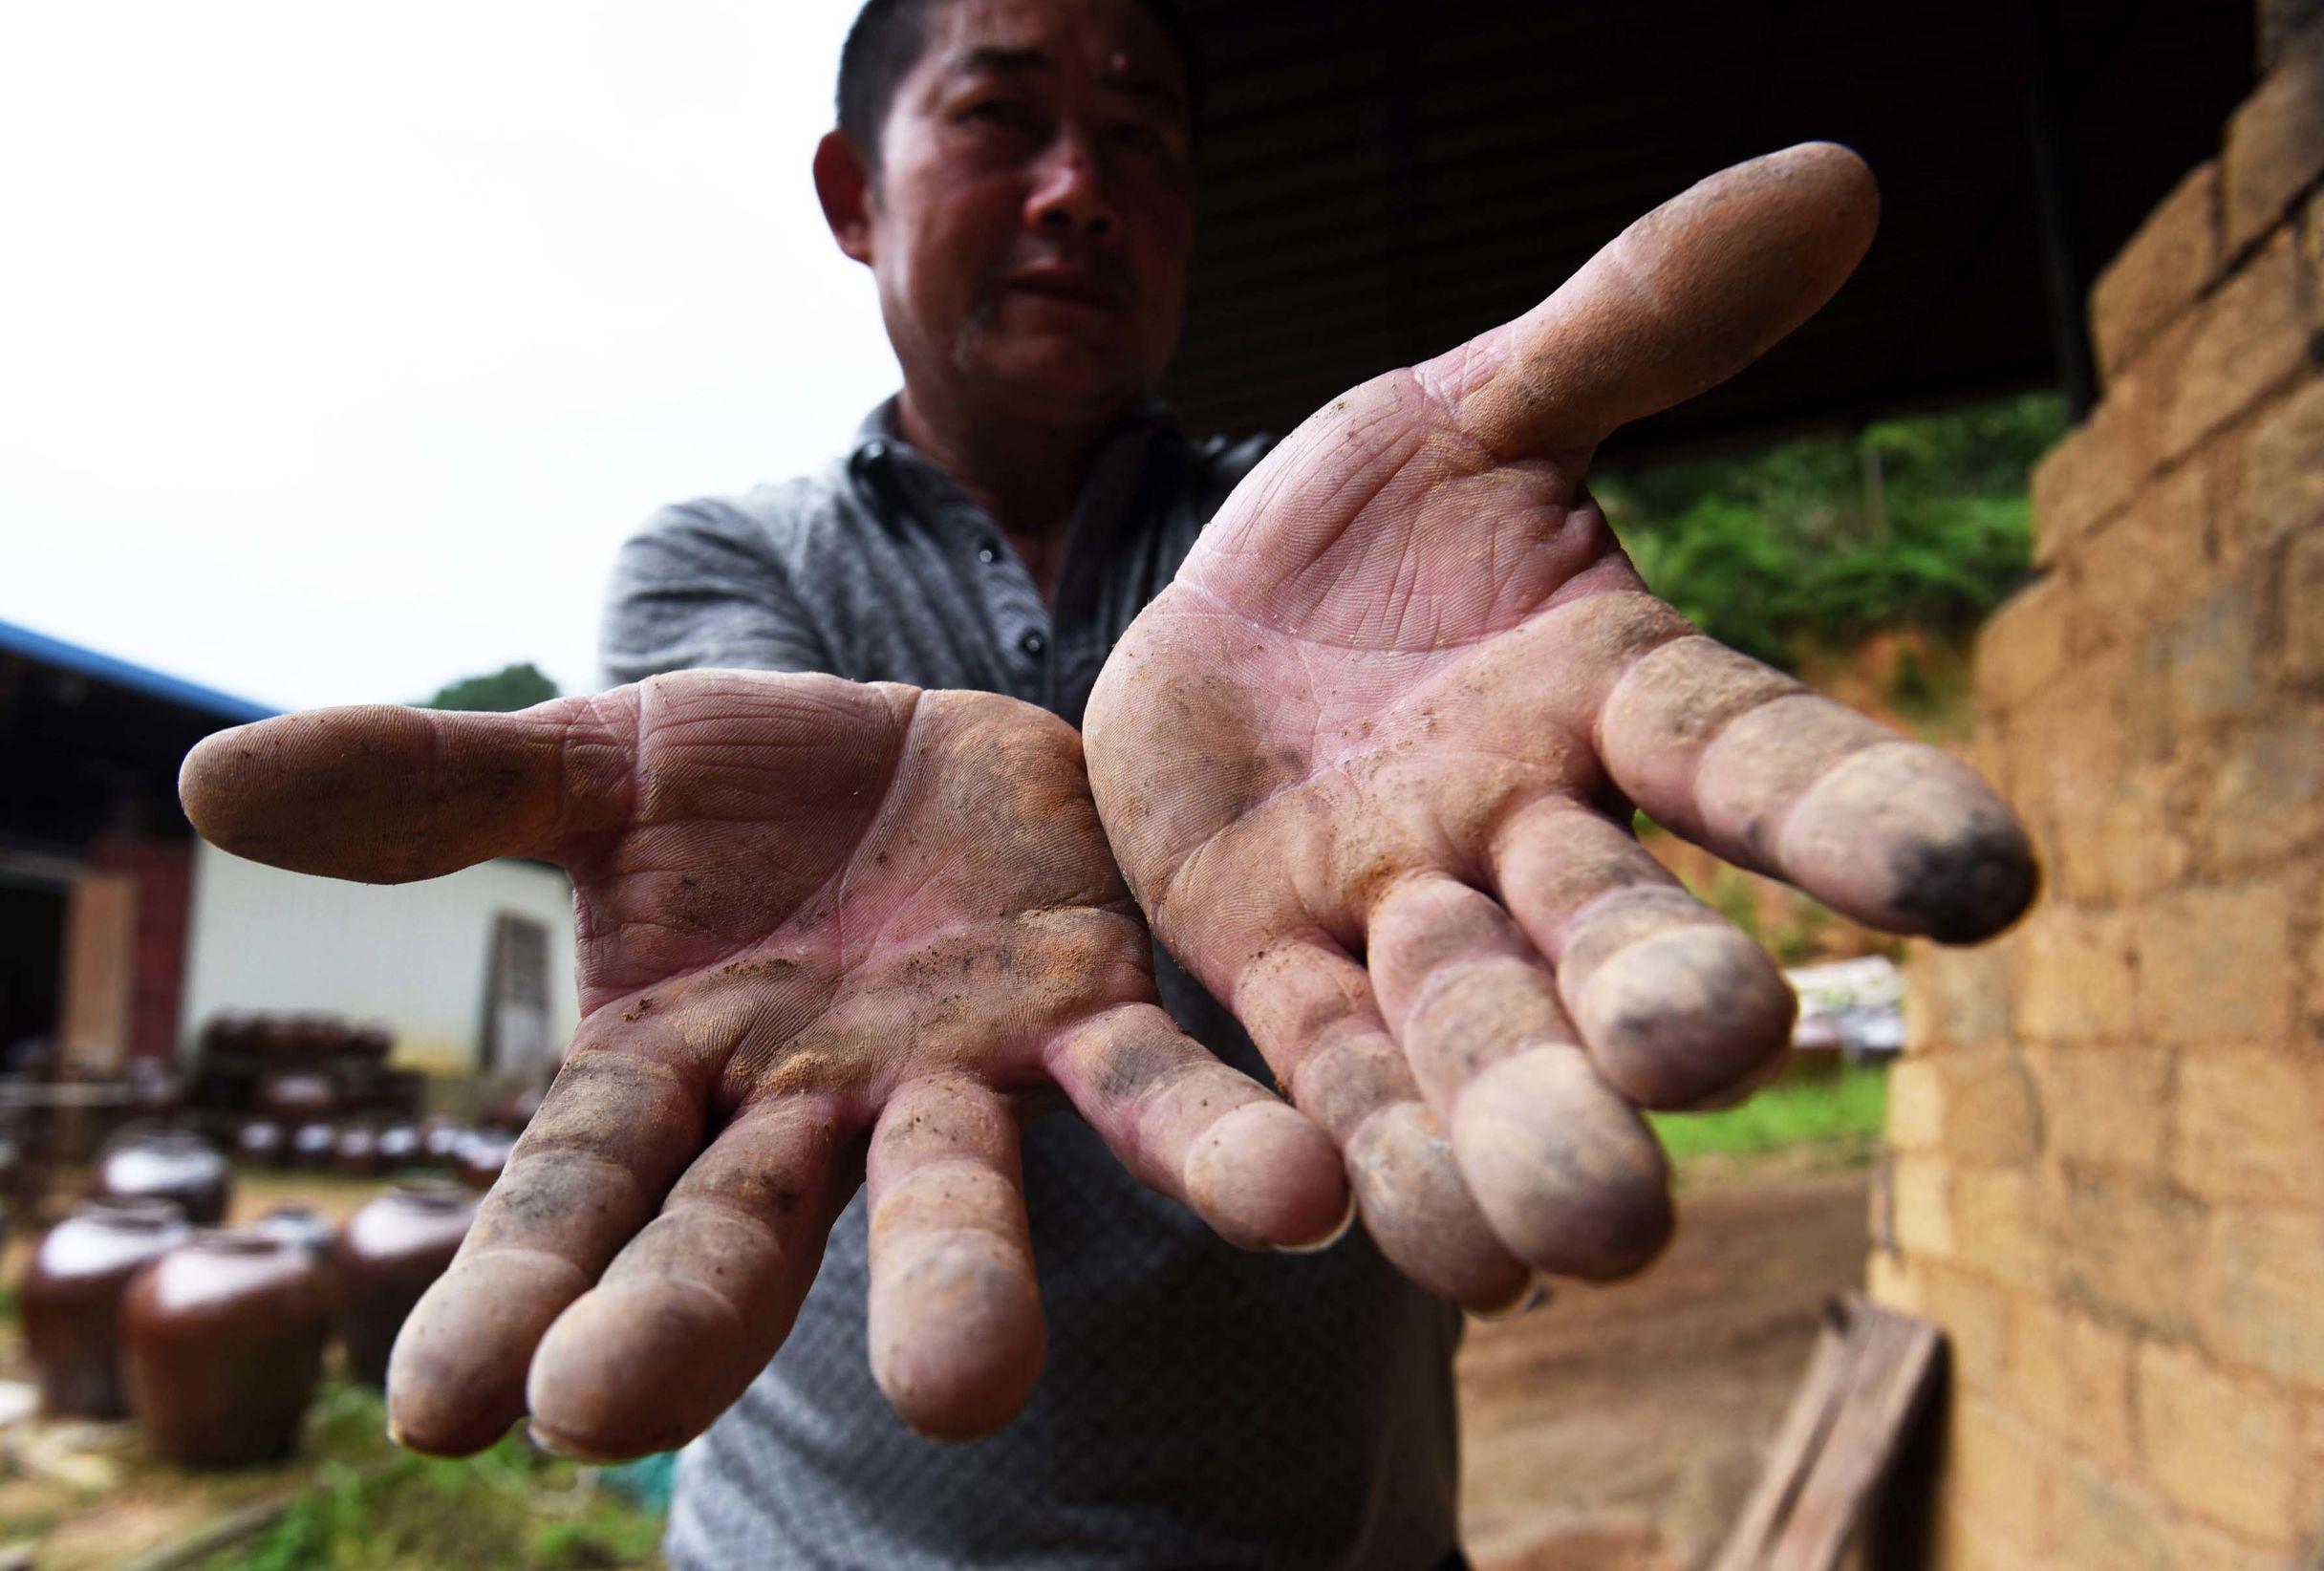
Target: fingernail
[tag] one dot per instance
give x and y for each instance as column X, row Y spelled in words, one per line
column 543, row 1440
column 1338, row 1231
column 1536, row 1294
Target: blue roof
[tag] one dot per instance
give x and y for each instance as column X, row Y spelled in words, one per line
column 137, row 679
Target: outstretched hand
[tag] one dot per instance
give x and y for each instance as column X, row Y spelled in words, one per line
column 820, row 925
column 1369, row 763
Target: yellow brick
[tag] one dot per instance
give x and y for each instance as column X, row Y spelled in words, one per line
column 2216, row 964
column 2274, row 143
column 2279, row 475
column 2100, row 1520
column 2151, row 561
column 1998, row 1474
column 2223, row 1449
column 1891, row 1278
column 2079, row 979
column 1960, row 997
column 1916, row 1106
column 1991, row 1115
column 2021, row 648
column 2159, row 273
column 1975, row 1317
column 2212, row 365
column 2262, row 796
column 2126, row 844
column 2092, row 473
column 2109, row 1106
column 2199, row 1547
column 2070, row 1374
column 2300, row 593
column 2122, row 1251
column 2210, row 658
column 1919, row 1203
column 2248, row 1122
column 2001, row 1225
column 2261, row 1299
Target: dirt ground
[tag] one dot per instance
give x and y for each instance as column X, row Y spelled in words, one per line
column 1619, row 1428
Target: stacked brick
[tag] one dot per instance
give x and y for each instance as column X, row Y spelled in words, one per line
column 2105, row 1165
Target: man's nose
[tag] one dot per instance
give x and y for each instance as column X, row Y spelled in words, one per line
column 1069, row 192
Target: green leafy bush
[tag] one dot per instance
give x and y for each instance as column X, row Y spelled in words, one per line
column 1820, row 541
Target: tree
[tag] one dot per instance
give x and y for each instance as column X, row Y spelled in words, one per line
column 511, row 687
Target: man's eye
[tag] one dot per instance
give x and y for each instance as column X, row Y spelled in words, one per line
column 999, row 112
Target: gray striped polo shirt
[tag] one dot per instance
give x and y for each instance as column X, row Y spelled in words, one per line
column 1200, row 1406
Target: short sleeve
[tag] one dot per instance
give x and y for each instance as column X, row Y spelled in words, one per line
column 695, row 589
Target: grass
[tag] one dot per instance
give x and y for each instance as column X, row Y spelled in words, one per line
column 374, row 1508
column 1840, row 1114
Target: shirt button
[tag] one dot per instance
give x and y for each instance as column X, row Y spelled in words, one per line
column 1033, row 643
column 987, row 555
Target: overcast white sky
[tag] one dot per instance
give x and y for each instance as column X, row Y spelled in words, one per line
column 341, row 344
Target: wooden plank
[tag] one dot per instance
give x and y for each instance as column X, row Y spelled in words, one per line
column 1839, row 1442
column 1784, row 1473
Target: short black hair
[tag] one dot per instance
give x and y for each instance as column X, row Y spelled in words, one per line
column 885, row 42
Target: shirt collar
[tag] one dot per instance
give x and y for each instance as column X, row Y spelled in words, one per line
column 883, row 463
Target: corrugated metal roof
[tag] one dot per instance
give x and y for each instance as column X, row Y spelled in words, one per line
column 1383, row 178
column 56, row 652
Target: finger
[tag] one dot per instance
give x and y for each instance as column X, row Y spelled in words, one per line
column 955, row 1331
column 614, row 1132
column 1310, row 1009
column 1261, row 1174
column 693, row 1307
column 1561, row 1166
column 1746, row 762
column 1682, row 300
column 387, row 795
column 1676, row 1004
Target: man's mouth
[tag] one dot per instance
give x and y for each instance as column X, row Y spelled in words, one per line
column 1081, row 285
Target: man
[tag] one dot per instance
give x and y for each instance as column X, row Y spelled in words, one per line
column 1364, row 751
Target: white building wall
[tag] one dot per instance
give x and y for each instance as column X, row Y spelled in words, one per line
column 416, row 955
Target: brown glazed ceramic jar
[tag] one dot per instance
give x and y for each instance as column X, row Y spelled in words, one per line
column 71, row 1299
column 480, row 1155
column 315, row 1145
column 222, row 1341
column 303, row 1226
column 356, row 1155
column 392, row 1250
column 167, row 1165
column 262, row 1142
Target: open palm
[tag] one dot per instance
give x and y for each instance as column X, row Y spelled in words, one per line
column 1368, row 762
column 822, row 926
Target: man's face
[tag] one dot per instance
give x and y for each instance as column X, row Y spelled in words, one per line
column 1032, row 214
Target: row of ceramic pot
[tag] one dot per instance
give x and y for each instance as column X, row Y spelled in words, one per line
column 300, row 1036
column 364, row 1150
column 214, row 1337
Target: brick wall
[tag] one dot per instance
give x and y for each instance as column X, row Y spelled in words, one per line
column 2105, row 1175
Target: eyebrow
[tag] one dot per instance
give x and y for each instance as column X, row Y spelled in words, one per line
column 999, row 62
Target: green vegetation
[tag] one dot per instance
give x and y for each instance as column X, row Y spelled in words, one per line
column 1815, row 542
column 1839, row 1114
column 511, row 687
column 374, row 1508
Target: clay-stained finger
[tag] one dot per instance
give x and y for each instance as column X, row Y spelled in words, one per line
column 1309, row 1008
column 611, row 1135
column 1674, row 1003
column 691, row 1310
column 1562, row 1164
column 386, row 794
column 1744, row 761
column 1682, row 300
column 956, row 1337
column 1211, row 1138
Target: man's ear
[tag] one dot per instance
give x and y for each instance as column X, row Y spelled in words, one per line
column 843, row 184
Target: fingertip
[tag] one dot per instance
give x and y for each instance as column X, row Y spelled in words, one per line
column 1421, row 1212
column 957, row 1335
column 455, row 1374
column 1569, row 1175
column 1683, row 1014
column 633, row 1367
column 1266, row 1176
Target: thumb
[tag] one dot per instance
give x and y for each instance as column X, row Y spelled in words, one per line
column 1679, row 302
column 386, row 795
